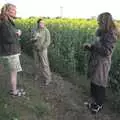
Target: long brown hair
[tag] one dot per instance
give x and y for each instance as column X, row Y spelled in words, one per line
column 106, row 22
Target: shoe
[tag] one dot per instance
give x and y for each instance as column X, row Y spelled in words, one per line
column 36, row 78
column 48, row 82
column 87, row 104
column 96, row 108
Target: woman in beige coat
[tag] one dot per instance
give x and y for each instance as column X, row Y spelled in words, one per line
column 100, row 59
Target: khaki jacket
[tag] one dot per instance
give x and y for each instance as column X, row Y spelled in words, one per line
column 41, row 38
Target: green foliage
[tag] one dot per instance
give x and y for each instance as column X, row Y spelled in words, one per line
column 115, row 70
column 66, row 54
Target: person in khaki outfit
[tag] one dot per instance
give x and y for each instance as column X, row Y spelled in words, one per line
column 41, row 42
column 100, row 59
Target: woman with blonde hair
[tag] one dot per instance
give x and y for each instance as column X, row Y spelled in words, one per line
column 100, row 60
column 9, row 44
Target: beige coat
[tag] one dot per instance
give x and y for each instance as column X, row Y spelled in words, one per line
column 41, row 38
column 100, row 59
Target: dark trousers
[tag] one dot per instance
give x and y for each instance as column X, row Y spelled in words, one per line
column 98, row 93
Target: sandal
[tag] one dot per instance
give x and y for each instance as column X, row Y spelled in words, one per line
column 19, row 93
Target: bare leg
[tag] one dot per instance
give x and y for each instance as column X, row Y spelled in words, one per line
column 13, row 76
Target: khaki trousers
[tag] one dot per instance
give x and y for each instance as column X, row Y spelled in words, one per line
column 42, row 68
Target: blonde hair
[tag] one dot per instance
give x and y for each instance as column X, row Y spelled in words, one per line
column 5, row 10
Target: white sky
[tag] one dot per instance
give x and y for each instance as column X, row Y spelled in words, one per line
column 71, row 8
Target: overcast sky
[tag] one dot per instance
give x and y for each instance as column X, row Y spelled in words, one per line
column 66, row 8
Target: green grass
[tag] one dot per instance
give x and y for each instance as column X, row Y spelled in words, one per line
column 30, row 107
column 22, row 108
